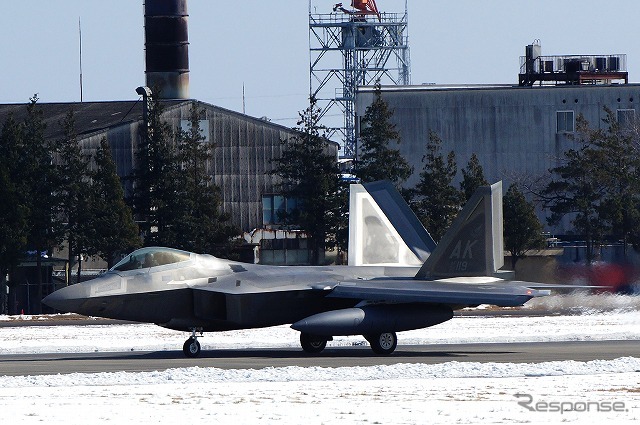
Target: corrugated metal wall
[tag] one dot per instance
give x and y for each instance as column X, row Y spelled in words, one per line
column 512, row 130
column 244, row 150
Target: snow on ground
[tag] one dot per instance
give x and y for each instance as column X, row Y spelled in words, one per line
column 448, row 393
column 452, row 392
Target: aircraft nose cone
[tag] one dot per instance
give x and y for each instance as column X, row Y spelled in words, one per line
column 69, row 299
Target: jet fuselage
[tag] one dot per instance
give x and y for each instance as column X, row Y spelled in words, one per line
column 212, row 294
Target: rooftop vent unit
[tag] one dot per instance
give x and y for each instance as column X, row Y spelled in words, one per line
column 572, row 69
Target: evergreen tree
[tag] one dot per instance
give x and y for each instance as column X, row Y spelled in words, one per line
column 376, row 160
column 175, row 199
column 619, row 171
column 203, row 228
column 472, row 177
column 112, row 227
column 38, row 177
column 72, row 168
column 435, row 200
column 575, row 192
column 13, row 212
column 310, row 175
column 597, row 185
column 156, row 188
column 522, row 229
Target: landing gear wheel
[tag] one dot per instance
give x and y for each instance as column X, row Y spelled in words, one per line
column 191, row 347
column 312, row 344
column 384, row 343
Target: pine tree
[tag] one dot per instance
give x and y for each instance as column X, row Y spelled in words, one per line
column 597, row 185
column 472, row 177
column 435, row 200
column 522, row 229
column 575, row 192
column 38, row 179
column 13, row 212
column 156, row 188
column 619, row 171
column 73, row 188
column 203, row 228
column 112, row 227
column 310, row 175
column 375, row 159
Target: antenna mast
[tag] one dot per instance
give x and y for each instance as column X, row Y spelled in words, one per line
column 80, row 33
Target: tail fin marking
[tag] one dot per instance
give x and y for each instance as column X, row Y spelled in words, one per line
column 473, row 245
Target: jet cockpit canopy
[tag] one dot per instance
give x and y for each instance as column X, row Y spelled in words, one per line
column 150, row 257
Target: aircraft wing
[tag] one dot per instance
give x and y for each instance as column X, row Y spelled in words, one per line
column 453, row 293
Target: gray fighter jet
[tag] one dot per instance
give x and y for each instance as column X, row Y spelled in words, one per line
column 400, row 281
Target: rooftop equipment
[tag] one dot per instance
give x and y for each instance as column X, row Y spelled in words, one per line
column 572, row 69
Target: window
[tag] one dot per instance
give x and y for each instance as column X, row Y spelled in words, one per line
column 276, row 209
column 565, row 122
column 185, row 125
column 626, row 117
column 288, row 243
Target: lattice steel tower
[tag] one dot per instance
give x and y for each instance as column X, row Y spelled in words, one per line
column 352, row 47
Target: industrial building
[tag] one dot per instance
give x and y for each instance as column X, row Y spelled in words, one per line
column 244, row 146
column 517, row 131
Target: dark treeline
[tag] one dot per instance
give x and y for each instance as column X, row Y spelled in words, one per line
column 53, row 193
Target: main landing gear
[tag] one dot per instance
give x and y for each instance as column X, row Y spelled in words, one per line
column 383, row 343
column 191, row 347
column 313, row 344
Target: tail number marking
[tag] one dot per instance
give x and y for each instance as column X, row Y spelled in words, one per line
column 459, row 254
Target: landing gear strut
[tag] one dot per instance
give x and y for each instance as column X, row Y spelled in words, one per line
column 191, row 347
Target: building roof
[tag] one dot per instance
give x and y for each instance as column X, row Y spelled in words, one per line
column 461, row 87
column 93, row 117
column 90, row 116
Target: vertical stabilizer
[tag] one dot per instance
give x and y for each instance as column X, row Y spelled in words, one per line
column 473, row 245
column 382, row 228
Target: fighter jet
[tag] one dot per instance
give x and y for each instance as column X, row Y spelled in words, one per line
column 397, row 280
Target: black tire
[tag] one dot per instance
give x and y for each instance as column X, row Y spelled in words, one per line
column 312, row 344
column 191, row 348
column 384, row 343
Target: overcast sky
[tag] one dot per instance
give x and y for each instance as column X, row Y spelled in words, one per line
column 264, row 45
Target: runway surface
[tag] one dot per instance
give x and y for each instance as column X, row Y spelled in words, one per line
column 61, row 363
